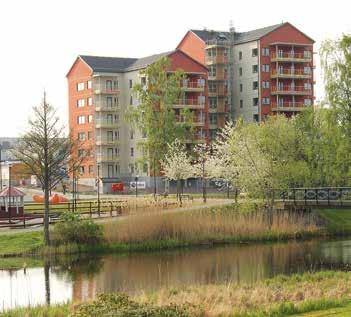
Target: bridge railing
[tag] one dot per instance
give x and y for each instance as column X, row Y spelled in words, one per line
column 329, row 196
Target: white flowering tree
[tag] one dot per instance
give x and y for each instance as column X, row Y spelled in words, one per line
column 177, row 164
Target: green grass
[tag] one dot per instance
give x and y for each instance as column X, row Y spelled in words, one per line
column 39, row 311
column 338, row 221
column 20, row 243
column 344, row 311
column 20, row 262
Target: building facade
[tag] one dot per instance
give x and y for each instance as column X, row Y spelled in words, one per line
column 254, row 74
column 100, row 92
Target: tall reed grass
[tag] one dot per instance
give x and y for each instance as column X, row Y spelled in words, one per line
column 211, row 225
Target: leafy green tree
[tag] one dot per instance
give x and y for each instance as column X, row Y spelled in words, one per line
column 155, row 115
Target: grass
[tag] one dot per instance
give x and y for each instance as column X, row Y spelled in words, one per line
column 20, row 243
column 338, row 221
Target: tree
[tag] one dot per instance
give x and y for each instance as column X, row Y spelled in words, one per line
column 155, row 116
column 177, row 164
column 47, row 153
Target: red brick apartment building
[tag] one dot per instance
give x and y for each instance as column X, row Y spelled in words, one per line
column 254, row 74
column 100, row 90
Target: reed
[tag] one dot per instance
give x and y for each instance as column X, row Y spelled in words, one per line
column 211, row 225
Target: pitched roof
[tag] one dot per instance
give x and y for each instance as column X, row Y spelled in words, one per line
column 239, row 37
column 120, row 64
column 108, row 64
column 14, row 192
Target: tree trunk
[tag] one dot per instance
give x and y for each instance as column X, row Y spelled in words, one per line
column 47, row 283
column 46, row 216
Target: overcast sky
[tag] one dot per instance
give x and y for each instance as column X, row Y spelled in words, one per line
column 41, row 39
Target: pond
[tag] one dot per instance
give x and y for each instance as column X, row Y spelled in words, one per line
column 66, row 280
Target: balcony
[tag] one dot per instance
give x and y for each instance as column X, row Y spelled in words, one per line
column 198, row 121
column 218, row 43
column 104, row 123
column 290, row 73
column 103, row 89
column 219, row 75
column 106, row 158
column 291, row 90
column 213, row 125
column 291, row 57
column 218, row 59
column 289, row 107
column 106, row 107
column 193, row 86
column 189, row 103
column 106, row 141
column 219, row 91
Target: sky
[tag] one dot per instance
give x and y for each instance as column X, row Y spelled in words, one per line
column 40, row 39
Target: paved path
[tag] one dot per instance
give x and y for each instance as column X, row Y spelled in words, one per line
column 103, row 219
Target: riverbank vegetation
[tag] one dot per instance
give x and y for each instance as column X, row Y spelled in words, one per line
column 278, row 297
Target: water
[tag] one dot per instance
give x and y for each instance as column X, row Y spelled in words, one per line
column 81, row 279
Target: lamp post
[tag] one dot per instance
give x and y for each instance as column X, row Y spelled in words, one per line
column 98, row 188
column 136, row 185
column 9, row 195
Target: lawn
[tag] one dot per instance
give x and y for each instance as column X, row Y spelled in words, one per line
column 338, row 220
column 335, row 312
column 20, row 243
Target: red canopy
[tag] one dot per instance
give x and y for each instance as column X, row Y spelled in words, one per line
column 13, row 193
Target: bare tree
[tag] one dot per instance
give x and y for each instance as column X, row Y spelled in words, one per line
column 47, row 153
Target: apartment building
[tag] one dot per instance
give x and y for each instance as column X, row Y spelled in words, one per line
column 254, row 74
column 100, row 91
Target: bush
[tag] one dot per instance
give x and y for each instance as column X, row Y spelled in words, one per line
column 119, row 305
column 72, row 229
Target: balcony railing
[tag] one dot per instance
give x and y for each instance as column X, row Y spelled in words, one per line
column 193, row 86
column 106, row 141
column 219, row 75
column 106, row 158
column 291, row 90
column 102, row 89
column 289, row 106
column 107, row 107
column 190, row 103
column 218, row 59
column 104, row 123
column 290, row 56
column 197, row 121
column 221, row 90
column 290, row 73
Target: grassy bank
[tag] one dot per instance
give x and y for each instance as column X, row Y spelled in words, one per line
column 159, row 231
column 278, row 297
column 338, row 221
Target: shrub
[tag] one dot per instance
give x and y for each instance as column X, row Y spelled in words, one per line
column 72, row 229
column 119, row 305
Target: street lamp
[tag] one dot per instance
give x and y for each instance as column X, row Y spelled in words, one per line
column 9, row 192
column 136, row 185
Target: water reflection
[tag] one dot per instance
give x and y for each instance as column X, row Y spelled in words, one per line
column 79, row 279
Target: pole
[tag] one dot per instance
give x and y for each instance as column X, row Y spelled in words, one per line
column 9, row 193
column 136, row 186
column 0, row 169
column 203, row 181
column 98, row 188
column 155, row 176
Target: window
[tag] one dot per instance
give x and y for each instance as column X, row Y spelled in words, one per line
column 109, row 136
column 254, row 52
column 265, row 68
column 110, row 169
column 81, row 136
column 90, row 118
column 80, row 103
column 213, row 103
column 255, row 102
column 108, row 85
column 116, row 101
column 307, row 54
column 90, row 101
column 81, row 170
column 307, row 70
column 240, row 71
column 80, row 86
column 117, row 151
column 266, row 101
column 91, row 169
column 265, row 51
column 131, row 151
column 81, row 119
column 241, row 103
column 240, row 55
column 131, row 100
column 307, row 102
column 212, row 87
column 254, row 68
column 89, row 84
column 131, row 134
column 241, row 87
column 90, row 135
column 265, row 84
column 109, row 102
column 116, row 118
column 130, row 83
column 212, row 71
column 213, row 118
column 117, row 134
column 255, row 85
column 117, row 168
column 255, row 118
column 115, row 84
column 307, row 86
